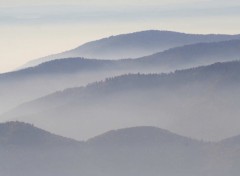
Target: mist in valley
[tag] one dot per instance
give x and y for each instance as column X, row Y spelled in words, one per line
column 143, row 103
column 24, row 85
column 189, row 102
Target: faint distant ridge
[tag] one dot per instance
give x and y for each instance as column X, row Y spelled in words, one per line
column 133, row 45
column 182, row 57
column 195, row 54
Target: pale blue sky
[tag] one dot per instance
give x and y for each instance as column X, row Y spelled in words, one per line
column 32, row 28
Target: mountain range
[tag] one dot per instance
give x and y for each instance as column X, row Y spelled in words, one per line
column 189, row 102
column 131, row 151
column 134, row 45
column 132, row 89
column 48, row 77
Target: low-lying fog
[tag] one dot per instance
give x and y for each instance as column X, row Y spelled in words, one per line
column 201, row 103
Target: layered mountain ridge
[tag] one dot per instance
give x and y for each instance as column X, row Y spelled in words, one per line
column 134, row 45
column 187, row 101
column 136, row 150
column 74, row 72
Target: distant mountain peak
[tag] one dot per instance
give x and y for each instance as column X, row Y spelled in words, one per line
column 134, row 45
